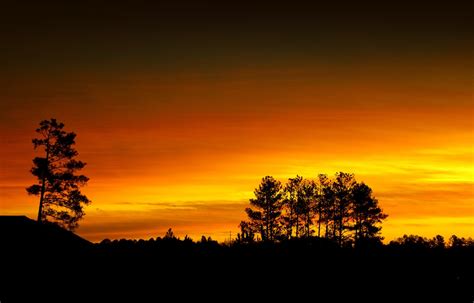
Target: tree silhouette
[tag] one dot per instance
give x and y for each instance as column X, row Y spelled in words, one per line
column 58, row 187
column 246, row 234
column 306, row 203
column 342, row 187
column 438, row 242
column 346, row 209
column 169, row 234
column 320, row 206
column 268, row 204
column 290, row 215
column 366, row 213
column 455, row 241
column 326, row 205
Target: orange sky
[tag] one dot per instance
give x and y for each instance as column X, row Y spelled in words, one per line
column 187, row 152
column 181, row 107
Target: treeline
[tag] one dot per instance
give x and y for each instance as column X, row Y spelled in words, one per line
column 169, row 239
column 415, row 242
column 406, row 242
column 340, row 209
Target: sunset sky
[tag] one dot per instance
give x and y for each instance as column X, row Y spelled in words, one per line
column 181, row 107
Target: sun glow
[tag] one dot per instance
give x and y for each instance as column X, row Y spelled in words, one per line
column 187, row 154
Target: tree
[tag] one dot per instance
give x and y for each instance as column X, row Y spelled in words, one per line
column 246, row 234
column 366, row 213
column 290, row 216
column 455, row 241
column 326, row 206
column 320, row 207
column 268, row 204
column 306, row 204
column 438, row 242
column 60, row 199
column 342, row 187
column 169, row 235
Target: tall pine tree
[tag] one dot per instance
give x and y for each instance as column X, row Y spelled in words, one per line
column 266, row 209
column 366, row 213
column 58, row 186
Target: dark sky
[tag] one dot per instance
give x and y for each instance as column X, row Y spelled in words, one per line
column 58, row 35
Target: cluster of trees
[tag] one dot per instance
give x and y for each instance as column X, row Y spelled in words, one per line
column 339, row 208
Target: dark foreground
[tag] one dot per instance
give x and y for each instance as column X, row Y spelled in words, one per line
column 170, row 270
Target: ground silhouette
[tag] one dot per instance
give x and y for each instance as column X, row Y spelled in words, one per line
column 169, row 269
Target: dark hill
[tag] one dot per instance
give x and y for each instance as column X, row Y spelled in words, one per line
column 19, row 233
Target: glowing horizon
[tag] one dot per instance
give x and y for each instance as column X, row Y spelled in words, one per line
column 205, row 165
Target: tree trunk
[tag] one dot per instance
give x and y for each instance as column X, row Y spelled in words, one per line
column 269, row 235
column 341, row 221
column 340, row 232
column 307, row 224
column 43, row 187
column 290, row 223
column 319, row 222
column 357, row 228
column 326, row 233
column 297, row 226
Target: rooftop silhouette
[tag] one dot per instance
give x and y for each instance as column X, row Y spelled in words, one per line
column 21, row 231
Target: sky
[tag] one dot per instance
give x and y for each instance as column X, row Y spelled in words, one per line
column 181, row 107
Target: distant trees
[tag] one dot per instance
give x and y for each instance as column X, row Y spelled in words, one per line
column 414, row 242
column 247, row 234
column 169, row 235
column 340, row 209
column 455, row 241
column 58, row 186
